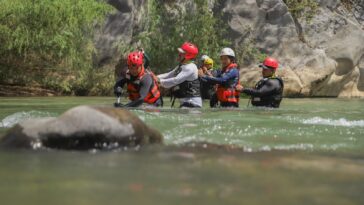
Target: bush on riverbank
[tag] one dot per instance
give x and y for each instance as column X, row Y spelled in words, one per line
column 49, row 42
column 168, row 26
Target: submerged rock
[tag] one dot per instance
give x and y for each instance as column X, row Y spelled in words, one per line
column 82, row 128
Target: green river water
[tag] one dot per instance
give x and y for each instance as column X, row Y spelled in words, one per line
column 311, row 151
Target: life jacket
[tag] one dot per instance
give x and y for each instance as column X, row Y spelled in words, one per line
column 133, row 87
column 227, row 92
column 273, row 100
column 186, row 89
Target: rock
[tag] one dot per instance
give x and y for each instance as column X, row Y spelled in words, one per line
column 339, row 34
column 318, row 58
column 82, row 128
column 119, row 30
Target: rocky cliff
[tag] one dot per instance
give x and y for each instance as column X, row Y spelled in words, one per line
column 321, row 57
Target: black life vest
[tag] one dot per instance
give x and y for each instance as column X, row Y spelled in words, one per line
column 186, row 89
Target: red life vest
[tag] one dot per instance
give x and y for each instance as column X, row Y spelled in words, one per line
column 134, row 87
column 228, row 94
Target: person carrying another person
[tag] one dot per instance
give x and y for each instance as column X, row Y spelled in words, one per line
column 269, row 90
column 226, row 80
column 142, row 86
column 183, row 80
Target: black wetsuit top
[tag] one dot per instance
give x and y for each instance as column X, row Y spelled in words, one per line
column 267, row 92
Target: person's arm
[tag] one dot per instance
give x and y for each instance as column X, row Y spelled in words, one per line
column 214, row 73
column 145, row 85
column 167, row 75
column 119, row 84
column 184, row 75
column 221, row 80
column 268, row 89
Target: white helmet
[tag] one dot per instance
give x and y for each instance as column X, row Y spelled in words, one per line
column 203, row 58
column 227, row 52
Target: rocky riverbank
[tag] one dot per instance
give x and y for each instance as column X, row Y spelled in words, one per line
column 320, row 57
column 318, row 43
column 22, row 90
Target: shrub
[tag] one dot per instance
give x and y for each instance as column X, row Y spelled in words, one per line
column 169, row 26
column 305, row 9
column 47, row 38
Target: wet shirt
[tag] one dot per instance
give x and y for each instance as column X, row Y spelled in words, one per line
column 189, row 72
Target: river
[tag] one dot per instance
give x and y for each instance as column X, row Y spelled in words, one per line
column 310, row 151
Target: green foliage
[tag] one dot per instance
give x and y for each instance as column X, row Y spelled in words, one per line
column 169, row 26
column 36, row 35
column 305, row 9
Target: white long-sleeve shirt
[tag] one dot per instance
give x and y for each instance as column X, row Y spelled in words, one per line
column 189, row 72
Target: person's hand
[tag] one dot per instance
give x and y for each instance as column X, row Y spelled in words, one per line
column 204, row 69
column 158, row 81
column 239, row 88
column 201, row 73
column 208, row 72
column 141, row 49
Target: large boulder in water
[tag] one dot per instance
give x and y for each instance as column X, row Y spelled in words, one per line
column 82, row 128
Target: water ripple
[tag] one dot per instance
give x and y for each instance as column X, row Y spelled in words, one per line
column 342, row 122
column 17, row 117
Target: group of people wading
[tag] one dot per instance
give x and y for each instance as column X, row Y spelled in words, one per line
column 191, row 84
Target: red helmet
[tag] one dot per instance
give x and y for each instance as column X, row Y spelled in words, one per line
column 270, row 63
column 190, row 50
column 135, row 58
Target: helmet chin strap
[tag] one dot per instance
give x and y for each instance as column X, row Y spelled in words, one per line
column 182, row 60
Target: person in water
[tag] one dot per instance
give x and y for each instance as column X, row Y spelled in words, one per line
column 268, row 91
column 207, row 89
column 183, row 79
column 142, row 86
column 202, row 60
column 226, row 80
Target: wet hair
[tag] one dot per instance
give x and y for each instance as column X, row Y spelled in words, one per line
column 233, row 60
